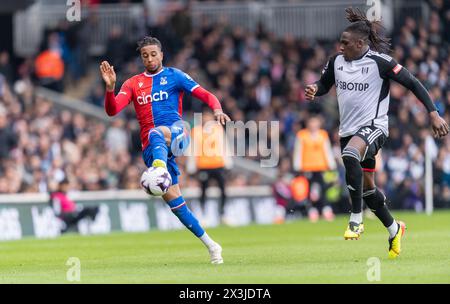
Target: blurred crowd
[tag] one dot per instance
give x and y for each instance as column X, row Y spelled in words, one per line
column 257, row 76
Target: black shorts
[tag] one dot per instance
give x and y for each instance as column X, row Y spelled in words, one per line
column 374, row 139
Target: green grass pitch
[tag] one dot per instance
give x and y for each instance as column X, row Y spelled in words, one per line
column 295, row 252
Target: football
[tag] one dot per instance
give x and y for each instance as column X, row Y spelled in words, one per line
column 156, row 181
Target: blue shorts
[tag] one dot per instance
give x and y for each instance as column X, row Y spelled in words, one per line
column 180, row 141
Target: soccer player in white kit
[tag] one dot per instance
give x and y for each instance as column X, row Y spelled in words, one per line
column 361, row 73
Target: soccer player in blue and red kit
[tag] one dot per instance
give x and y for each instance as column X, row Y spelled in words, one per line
column 157, row 96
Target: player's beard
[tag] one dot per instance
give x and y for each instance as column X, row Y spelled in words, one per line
column 154, row 70
column 347, row 58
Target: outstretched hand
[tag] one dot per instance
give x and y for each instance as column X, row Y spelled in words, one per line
column 108, row 75
column 439, row 126
column 310, row 91
column 221, row 117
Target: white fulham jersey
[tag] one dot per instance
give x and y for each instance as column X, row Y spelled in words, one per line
column 362, row 88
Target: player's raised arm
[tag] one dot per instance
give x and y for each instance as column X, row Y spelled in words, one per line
column 324, row 84
column 401, row 75
column 212, row 102
column 113, row 104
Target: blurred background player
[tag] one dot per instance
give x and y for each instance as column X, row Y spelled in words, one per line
column 300, row 191
column 157, row 98
column 49, row 67
column 67, row 210
column 313, row 157
column 362, row 79
column 209, row 159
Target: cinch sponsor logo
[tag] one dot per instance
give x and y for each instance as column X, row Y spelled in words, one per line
column 352, row 86
column 157, row 96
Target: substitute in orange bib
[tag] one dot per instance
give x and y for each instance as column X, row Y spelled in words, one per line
column 312, row 157
column 209, row 158
column 49, row 69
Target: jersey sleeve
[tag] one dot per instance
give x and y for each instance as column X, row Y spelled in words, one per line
column 327, row 80
column 127, row 91
column 185, row 82
column 207, row 97
column 115, row 104
column 390, row 69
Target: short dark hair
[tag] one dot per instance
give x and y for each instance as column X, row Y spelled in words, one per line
column 148, row 40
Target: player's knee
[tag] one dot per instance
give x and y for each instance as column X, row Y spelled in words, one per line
column 165, row 133
column 351, row 159
column 351, row 163
column 369, row 182
column 350, row 155
column 156, row 134
column 374, row 198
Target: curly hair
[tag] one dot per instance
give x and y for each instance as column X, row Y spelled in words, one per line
column 368, row 30
column 148, row 40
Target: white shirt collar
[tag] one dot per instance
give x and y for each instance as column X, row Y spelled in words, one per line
column 151, row 75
